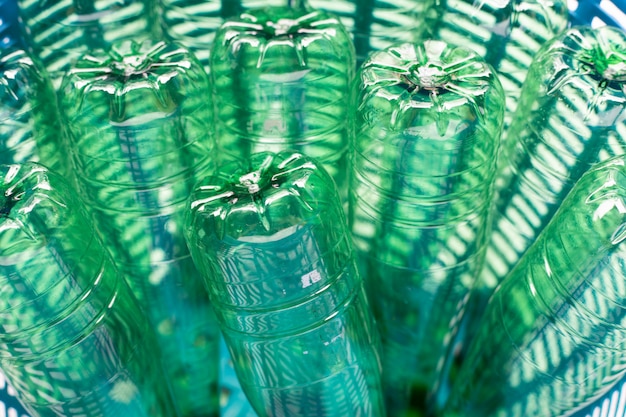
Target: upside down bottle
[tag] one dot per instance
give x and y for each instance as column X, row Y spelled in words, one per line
column 269, row 236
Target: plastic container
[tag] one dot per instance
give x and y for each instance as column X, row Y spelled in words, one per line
column 281, row 81
column 572, row 115
column 30, row 126
column 427, row 133
column 553, row 335
column 73, row 339
column 373, row 24
column 269, row 236
column 61, row 31
column 140, row 123
column 507, row 34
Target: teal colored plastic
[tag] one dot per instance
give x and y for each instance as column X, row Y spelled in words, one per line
column 61, row 31
column 507, row 34
column 30, row 126
column 281, row 81
column 427, row 133
column 73, row 339
column 269, row 236
column 140, row 120
column 553, row 336
column 572, row 114
column 10, row 33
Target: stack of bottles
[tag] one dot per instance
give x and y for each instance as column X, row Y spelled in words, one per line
column 332, row 188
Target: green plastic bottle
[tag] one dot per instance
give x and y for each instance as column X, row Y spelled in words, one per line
column 30, row 127
column 73, row 339
column 281, row 81
column 61, row 31
column 554, row 333
column 572, row 114
column 373, row 24
column 270, row 238
column 427, row 133
column 140, row 120
column 507, row 34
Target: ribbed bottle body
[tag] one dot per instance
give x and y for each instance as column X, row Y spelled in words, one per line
column 372, row 24
column 140, row 124
column 30, row 128
column 281, row 81
column 61, row 31
column 427, row 130
column 571, row 115
column 193, row 23
column 271, row 242
column 74, row 339
column 552, row 339
column 507, row 34
column 10, row 33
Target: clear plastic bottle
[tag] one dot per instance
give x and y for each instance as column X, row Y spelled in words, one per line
column 373, row 24
column 61, row 31
column 553, row 338
column 269, row 236
column 427, row 133
column 572, row 114
column 73, row 338
column 30, row 128
column 140, row 123
column 507, row 33
column 281, row 81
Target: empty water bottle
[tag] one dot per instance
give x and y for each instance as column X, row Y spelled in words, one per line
column 427, row 133
column 140, row 124
column 30, row 129
column 60, row 31
column 553, row 336
column 73, row 339
column 572, row 114
column 269, row 236
column 506, row 33
column 281, row 81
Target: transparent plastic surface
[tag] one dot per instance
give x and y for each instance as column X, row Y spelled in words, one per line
column 572, row 114
column 61, row 31
column 30, row 127
column 269, row 236
column 140, row 124
column 373, row 24
column 281, row 81
column 507, row 34
column 553, row 335
column 73, row 339
column 427, row 133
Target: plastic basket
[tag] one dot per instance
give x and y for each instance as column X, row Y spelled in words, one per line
column 583, row 12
